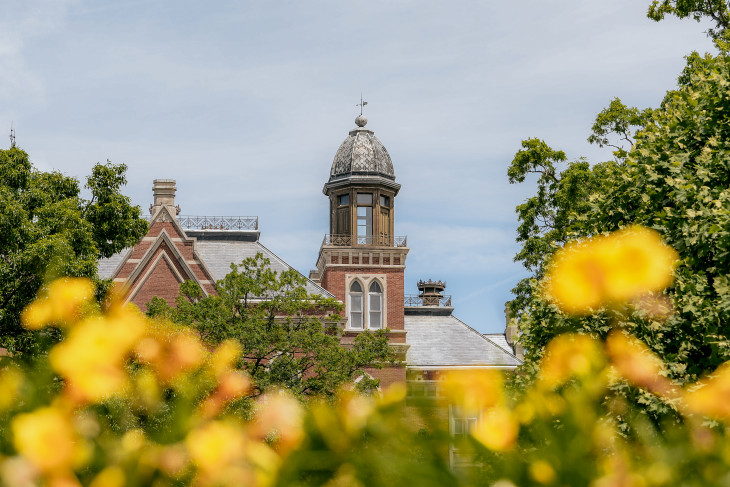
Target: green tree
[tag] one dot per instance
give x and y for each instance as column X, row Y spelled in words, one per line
column 47, row 229
column 713, row 10
column 674, row 179
column 290, row 338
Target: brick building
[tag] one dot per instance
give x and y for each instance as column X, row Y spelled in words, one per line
column 361, row 263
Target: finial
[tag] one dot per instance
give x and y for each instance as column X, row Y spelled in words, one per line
column 12, row 135
column 360, row 121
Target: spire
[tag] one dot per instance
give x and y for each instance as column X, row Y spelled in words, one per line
column 12, row 135
column 361, row 121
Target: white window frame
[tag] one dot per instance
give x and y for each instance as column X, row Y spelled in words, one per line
column 365, row 281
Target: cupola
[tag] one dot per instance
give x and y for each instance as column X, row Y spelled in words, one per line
column 362, row 189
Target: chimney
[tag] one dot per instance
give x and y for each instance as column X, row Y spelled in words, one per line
column 431, row 292
column 512, row 333
column 163, row 193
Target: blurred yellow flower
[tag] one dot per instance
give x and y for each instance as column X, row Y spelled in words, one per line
column 215, row 445
column 171, row 351
column 92, row 358
column 225, row 357
column 112, row 476
column 281, row 414
column 61, row 304
column 473, row 390
column 47, row 439
column 570, row 355
column 542, row 472
column 636, row 363
column 711, row 396
column 497, row 429
column 587, row 274
column 11, row 382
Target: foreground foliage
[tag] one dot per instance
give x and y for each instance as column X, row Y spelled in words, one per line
column 144, row 402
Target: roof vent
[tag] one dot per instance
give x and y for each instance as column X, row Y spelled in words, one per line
column 431, row 292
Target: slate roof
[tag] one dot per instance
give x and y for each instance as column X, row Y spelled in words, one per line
column 445, row 341
column 362, row 153
column 500, row 340
column 218, row 249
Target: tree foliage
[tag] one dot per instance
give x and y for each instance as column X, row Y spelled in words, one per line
column 290, row 338
column 675, row 178
column 714, row 10
column 47, row 229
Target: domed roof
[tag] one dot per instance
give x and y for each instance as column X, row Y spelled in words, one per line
column 361, row 154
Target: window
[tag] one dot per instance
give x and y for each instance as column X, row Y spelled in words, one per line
column 356, row 305
column 343, row 199
column 365, row 305
column 375, row 306
column 384, row 201
column 364, row 218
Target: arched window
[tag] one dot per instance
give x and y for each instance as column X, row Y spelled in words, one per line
column 375, row 306
column 356, row 305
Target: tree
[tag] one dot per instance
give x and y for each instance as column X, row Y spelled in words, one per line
column 674, row 179
column 289, row 338
column 715, row 10
column 47, row 229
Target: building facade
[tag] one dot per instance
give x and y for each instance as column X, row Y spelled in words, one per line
column 361, row 263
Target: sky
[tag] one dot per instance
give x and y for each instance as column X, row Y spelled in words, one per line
column 244, row 103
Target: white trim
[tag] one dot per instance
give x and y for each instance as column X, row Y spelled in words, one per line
column 365, row 280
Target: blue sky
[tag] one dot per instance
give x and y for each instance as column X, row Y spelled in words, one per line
column 245, row 103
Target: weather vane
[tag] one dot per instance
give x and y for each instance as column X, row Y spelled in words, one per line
column 12, row 135
column 361, row 104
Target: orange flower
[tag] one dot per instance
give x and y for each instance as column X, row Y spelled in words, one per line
column 637, row 364
column 711, row 396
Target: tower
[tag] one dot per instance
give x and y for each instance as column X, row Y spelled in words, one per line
column 362, row 261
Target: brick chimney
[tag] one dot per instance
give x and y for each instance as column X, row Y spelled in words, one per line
column 163, row 193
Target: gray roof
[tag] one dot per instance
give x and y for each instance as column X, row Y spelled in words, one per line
column 219, row 249
column 107, row 266
column 446, row 341
column 219, row 255
column 362, row 154
column 500, row 340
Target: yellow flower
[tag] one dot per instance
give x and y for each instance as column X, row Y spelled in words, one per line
column 61, row 304
column 11, row 382
column 602, row 270
column 47, row 439
column 473, row 390
column 542, row 472
column 711, row 396
column 225, row 357
column 570, row 355
column 498, row 429
column 112, row 476
column 215, row 445
column 92, row 358
column 636, row 363
column 171, row 351
column 281, row 414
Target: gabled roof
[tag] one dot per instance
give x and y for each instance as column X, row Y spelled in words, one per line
column 218, row 249
column 445, row 341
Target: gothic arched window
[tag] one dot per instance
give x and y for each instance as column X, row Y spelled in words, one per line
column 356, row 311
column 375, row 306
